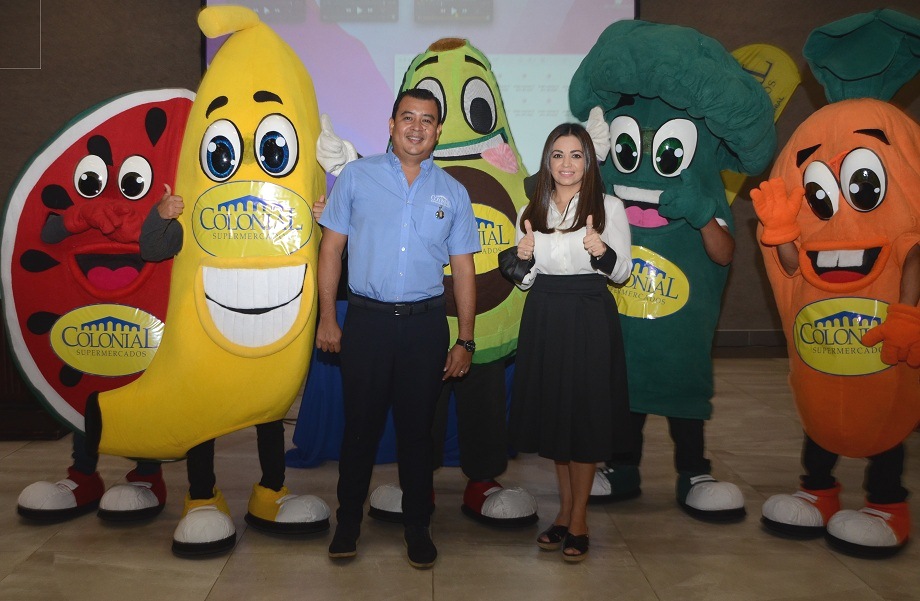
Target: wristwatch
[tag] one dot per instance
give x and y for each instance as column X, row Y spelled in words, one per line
column 469, row 345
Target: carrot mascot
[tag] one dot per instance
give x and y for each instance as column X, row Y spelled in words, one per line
column 840, row 236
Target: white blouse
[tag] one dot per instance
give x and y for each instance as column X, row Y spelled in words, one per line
column 561, row 253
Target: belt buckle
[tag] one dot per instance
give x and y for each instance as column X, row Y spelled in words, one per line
column 400, row 309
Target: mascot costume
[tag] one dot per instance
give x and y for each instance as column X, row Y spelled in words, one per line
column 678, row 109
column 242, row 296
column 477, row 149
column 84, row 311
column 840, row 235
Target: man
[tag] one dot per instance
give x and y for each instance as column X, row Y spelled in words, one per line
column 403, row 219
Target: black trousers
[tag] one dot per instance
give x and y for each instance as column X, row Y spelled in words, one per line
column 689, row 444
column 482, row 421
column 270, row 441
column 390, row 361
column 883, row 474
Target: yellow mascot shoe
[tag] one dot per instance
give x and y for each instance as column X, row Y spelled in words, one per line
column 280, row 512
column 205, row 527
column 242, row 298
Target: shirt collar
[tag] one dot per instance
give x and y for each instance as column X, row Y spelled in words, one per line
column 396, row 164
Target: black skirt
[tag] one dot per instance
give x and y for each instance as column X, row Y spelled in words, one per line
column 570, row 400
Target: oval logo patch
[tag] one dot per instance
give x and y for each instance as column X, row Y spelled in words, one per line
column 655, row 288
column 251, row 219
column 827, row 335
column 107, row 340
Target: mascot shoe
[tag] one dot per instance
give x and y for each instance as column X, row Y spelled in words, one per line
column 75, row 495
column 280, row 512
column 386, row 503
column 490, row 503
column 874, row 531
column 705, row 498
column 615, row 484
column 803, row 514
column 205, row 528
column 141, row 498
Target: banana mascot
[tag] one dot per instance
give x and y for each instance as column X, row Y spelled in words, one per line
column 840, row 236
column 242, row 302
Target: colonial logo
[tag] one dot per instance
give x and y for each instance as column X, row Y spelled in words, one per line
column 655, row 288
column 107, row 340
column 827, row 335
column 251, row 219
column 496, row 233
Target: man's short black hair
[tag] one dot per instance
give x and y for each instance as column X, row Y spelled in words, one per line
column 418, row 94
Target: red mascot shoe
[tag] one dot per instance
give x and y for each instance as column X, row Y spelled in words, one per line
column 803, row 514
column 77, row 494
column 876, row 530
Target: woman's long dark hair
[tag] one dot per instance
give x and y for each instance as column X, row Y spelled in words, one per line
column 591, row 196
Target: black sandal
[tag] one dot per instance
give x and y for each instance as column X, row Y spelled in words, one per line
column 554, row 536
column 576, row 543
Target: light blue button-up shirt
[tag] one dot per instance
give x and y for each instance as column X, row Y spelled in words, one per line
column 400, row 237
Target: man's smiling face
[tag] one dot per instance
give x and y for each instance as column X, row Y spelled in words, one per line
column 415, row 129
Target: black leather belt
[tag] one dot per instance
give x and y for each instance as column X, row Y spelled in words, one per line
column 414, row 308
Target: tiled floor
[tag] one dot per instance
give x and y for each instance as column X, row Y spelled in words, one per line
column 642, row 549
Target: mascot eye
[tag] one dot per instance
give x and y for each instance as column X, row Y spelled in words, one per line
column 863, row 180
column 479, row 105
column 276, row 145
column 135, row 177
column 90, row 176
column 221, row 150
column 434, row 86
column 624, row 142
column 673, row 147
column 821, row 191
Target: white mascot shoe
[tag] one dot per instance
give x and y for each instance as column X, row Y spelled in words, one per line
column 62, row 500
column 705, row 498
column 143, row 497
column 876, row 530
column 205, row 529
column 490, row 503
column 803, row 514
column 280, row 512
column 386, row 503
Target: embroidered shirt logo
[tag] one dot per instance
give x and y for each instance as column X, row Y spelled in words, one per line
column 440, row 200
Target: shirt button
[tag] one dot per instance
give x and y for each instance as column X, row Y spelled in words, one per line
column 403, row 249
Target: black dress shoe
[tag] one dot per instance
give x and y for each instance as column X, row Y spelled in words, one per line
column 345, row 541
column 419, row 548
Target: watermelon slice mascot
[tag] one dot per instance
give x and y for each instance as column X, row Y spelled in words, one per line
column 84, row 310
column 477, row 149
column 677, row 109
column 840, row 236
column 242, row 296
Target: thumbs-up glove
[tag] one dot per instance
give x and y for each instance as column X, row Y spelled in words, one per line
column 599, row 131
column 332, row 152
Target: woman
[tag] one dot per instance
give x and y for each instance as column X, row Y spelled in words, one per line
column 570, row 401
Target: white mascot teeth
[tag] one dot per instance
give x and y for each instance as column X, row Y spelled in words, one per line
column 254, row 307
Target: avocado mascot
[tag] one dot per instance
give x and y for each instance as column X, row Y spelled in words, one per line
column 477, row 149
column 679, row 109
column 83, row 308
column 242, row 297
column 840, row 235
